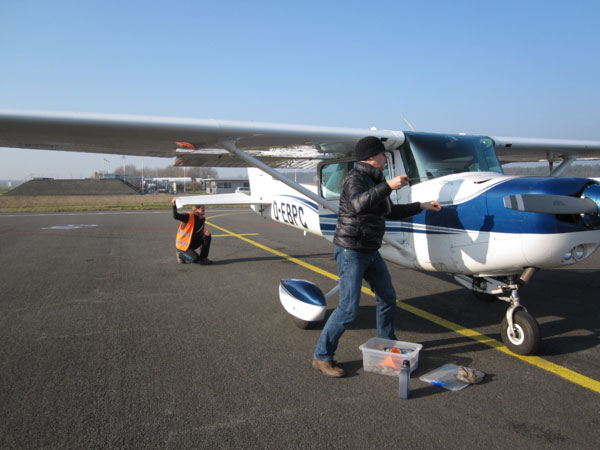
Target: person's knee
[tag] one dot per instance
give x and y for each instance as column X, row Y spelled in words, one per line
column 389, row 300
column 348, row 314
column 385, row 293
column 390, row 297
column 351, row 318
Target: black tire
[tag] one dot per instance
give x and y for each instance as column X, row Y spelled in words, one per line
column 527, row 333
column 303, row 324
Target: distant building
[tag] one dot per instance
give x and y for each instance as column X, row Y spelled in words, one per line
column 224, row 185
column 172, row 185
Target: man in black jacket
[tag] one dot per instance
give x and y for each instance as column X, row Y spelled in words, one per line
column 364, row 206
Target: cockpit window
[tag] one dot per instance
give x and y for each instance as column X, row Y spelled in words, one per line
column 427, row 156
column 332, row 176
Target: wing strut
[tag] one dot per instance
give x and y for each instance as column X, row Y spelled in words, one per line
column 232, row 148
column 564, row 165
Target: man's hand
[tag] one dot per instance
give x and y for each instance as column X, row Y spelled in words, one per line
column 174, row 200
column 398, row 182
column 431, row 206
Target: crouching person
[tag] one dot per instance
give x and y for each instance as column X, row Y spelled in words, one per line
column 192, row 235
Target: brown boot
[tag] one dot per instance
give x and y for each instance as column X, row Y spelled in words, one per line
column 328, row 368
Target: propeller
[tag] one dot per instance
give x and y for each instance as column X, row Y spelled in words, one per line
column 550, row 204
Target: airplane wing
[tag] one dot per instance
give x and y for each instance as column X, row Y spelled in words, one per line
column 194, row 142
column 511, row 149
column 200, row 142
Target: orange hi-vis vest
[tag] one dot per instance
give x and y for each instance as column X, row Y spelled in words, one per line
column 184, row 233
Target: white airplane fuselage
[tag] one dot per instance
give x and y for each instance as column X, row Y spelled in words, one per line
column 473, row 235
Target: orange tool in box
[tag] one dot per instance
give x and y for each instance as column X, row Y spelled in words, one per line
column 391, row 362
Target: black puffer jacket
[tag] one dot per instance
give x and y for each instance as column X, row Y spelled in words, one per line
column 364, row 205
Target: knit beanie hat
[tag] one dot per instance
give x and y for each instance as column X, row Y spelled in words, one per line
column 367, row 147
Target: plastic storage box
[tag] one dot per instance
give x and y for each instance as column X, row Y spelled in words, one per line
column 385, row 356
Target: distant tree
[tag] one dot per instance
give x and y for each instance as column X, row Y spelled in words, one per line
column 131, row 170
column 201, row 172
column 169, row 171
column 194, row 186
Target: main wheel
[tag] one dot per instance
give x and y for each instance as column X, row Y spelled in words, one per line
column 527, row 333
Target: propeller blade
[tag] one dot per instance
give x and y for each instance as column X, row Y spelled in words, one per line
column 550, row 204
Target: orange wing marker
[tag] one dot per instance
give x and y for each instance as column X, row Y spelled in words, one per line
column 185, row 145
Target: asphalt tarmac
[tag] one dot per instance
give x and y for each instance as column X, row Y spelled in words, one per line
column 107, row 342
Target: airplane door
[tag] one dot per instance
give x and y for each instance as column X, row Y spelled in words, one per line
column 394, row 168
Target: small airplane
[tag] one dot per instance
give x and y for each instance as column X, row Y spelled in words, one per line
column 493, row 234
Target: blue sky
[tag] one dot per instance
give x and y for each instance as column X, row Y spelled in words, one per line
column 512, row 68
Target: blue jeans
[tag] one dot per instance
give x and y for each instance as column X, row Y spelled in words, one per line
column 353, row 267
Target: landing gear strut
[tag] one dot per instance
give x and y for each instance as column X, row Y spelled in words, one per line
column 519, row 330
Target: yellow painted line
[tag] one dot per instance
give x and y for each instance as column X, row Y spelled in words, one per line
column 229, row 235
column 541, row 363
column 227, row 214
column 563, row 372
column 278, row 253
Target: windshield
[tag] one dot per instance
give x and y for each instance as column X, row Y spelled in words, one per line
column 427, row 156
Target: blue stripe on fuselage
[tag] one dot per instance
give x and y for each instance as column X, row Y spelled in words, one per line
column 486, row 212
column 308, row 203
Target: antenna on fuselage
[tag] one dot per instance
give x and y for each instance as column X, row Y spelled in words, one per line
column 407, row 122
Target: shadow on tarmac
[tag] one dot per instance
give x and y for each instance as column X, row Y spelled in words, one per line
column 562, row 301
column 224, row 262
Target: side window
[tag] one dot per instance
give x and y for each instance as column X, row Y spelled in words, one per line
column 332, row 177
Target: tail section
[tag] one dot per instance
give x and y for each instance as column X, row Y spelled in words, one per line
column 260, row 194
column 261, row 185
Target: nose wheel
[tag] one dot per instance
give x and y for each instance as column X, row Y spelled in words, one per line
column 525, row 336
column 520, row 331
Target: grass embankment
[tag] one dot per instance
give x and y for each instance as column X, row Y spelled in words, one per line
column 62, row 203
column 47, row 203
